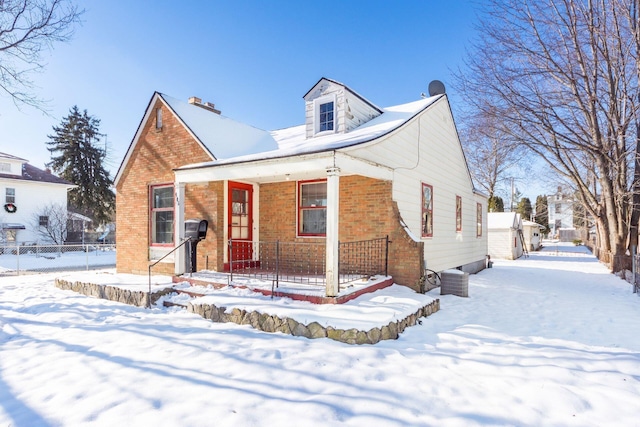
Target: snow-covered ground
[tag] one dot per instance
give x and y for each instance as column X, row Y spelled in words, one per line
column 50, row 259
column 549, row 340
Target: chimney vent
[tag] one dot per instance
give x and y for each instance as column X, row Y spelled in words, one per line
column 194, row 100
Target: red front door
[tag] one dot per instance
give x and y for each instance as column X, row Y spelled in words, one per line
column 240, row 227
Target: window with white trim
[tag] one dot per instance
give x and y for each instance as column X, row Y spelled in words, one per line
column 161, row 214
column 10, row 195
column 5, row 167
column 312, row 208
column 479, row 220
column 324, row 114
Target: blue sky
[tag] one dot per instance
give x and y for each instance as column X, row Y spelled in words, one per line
column 253, row 59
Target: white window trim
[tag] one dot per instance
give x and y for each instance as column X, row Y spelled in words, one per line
column 316, row 114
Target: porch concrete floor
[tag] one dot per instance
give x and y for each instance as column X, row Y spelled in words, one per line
column 314, row 293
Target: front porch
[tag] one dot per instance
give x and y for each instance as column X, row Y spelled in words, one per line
column 297, row 270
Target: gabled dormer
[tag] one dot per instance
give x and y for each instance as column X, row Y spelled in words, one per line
column 11, row 165
column 331, row 107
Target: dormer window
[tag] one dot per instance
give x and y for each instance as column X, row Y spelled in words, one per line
column 326, row 116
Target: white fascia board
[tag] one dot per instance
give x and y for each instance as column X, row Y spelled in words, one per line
column 274, row 170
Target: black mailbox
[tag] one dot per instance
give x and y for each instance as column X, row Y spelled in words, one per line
column 195, row 230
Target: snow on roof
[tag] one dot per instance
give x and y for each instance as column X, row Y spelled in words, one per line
column 32, row 173
column 11, row 157
column 223, row 136
column 293, row 141
column 528, row 223
column 501, row 220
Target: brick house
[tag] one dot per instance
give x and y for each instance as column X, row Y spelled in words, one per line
column 353, row 172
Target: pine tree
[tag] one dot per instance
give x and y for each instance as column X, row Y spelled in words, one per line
column 81, row 162
column 542, row 212
column 524, row 208
column 495, row 204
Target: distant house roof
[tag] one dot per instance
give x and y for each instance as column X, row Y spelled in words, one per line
column 32, row 173
column 11, row 157
column 528, row 223
column 503, row 220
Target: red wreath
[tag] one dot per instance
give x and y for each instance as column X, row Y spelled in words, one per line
column 10, row 207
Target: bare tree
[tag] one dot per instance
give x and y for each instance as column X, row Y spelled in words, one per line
column 27, row 28
column 490, row 154
column 561, row 78
column 51, row 222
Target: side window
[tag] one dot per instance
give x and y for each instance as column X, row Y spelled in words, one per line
column 10, row 195
column 43, row 221
column 479, row 220
column 161, row 215
column 458, row 213
column 427, row 210
column 312, row 208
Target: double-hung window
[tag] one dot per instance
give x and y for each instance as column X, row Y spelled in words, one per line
column 161, row 215
column 312, row 208
column 427, row 210
column 43, row 221
column 10, row 195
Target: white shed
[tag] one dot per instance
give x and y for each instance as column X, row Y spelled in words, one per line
column 504, row 235
column 532, row 235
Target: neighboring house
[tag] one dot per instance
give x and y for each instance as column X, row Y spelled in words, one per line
column 505, row 235
column 532, row 235
column 560, row 207
column 24, row 191
column 353, row 172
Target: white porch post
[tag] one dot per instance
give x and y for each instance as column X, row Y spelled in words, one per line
column 333, row 204
column 178, row 232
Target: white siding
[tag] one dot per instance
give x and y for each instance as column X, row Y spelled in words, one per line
column 438, row 161
column 503, row 244
column 31, row 196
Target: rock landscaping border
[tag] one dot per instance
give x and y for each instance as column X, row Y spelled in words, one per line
column 271, row 323
column 112, row 293
column 261, row 321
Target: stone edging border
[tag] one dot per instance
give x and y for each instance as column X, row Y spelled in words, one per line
column 271, row 323
column 112, row 293
column 261, row 321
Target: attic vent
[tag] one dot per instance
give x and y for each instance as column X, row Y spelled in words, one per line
column 194, row 100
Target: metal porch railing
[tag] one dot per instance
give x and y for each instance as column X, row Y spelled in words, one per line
column 302, row 262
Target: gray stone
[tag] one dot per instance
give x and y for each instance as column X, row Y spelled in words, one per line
column 316, row 330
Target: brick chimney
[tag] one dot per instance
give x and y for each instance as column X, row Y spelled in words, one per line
column 194, row 100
